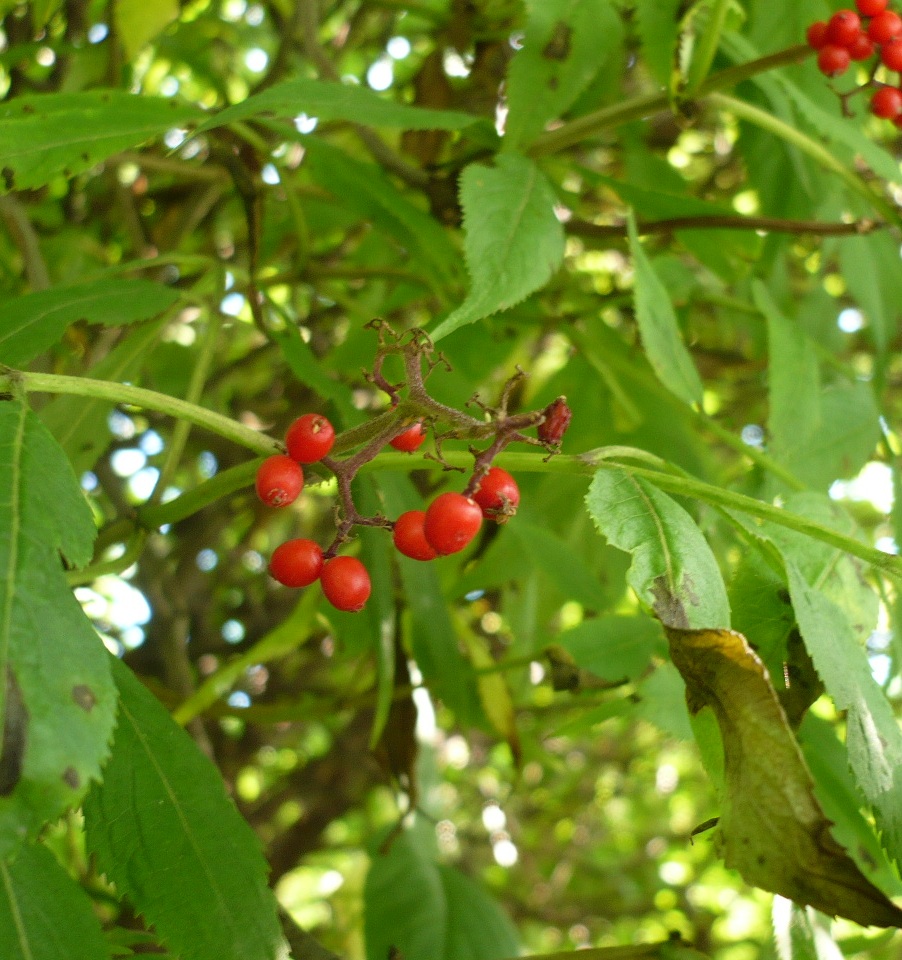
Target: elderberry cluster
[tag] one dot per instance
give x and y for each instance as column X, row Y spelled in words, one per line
column 450, row 521
column 847, row 36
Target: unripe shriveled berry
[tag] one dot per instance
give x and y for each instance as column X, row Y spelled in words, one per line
column 296, row 563
column 885, row 26
column 498, row 495
column 409, row 538
column 832, row 60
column 309, row 438
column 279, row 481
column 410, row 440
column 557, row 419
column 887, row 103
column 870, row 8
column 346, row 583
column 816, row 34
column 451, row 522
column 843, row 27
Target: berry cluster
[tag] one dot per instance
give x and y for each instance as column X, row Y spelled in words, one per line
column 849, row 36
column 450, row 522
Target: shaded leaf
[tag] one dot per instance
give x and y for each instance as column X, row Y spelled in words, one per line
column 139, row 22
column 44, row 914
column 614, row 647
column 565, row 44
column 771, row 829
column 800, row 934
column 428, row 911
column 557, row 560
column 57, row 701
column 162, row 811
column 512, row 239
column 659, row 327
column 658, row 23
column 325, row 100
column 673, row 571
column 45, row 135
column 36, row 321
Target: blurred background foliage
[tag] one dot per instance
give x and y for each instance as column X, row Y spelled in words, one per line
column 571, row 806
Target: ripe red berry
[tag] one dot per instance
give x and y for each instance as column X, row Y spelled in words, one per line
column 346, row 583
column 409, row 538
column 296, row 563
column 309, row 438
column 410, row 439
column 557, row 417
column 816, row 34
column 498, row 495
column 832, row 61
column 279, row 481
column 870, row 8
column 451, row 522
column 891, row 54
column 884, row 26
column 862, row 48
column 887, row 103
column 843, row 28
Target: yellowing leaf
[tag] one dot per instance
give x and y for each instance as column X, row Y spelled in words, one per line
column 772, row 829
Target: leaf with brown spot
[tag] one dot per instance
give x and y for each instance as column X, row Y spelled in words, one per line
column 772, row 829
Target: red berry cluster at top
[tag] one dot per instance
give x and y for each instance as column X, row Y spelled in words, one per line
column 450, row 521
column 847, row 36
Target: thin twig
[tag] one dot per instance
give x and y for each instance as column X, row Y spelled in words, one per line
column 584, row 228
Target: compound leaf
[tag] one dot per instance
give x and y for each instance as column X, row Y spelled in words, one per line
column 45, row 135
column 162, row 812
column 44, row 914
column 36, row 321
column 566, row 43
column 512, row 239
column 57, row 700
column 673, row 569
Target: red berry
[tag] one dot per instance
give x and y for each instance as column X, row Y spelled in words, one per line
column 832, row 61
column 884, row 26
column 451, row 522
column 891, row 54
column 409, row 537
column 498, row 495
column 870, row 8
column 887, row 103
column 816, row 34
column 296, row 563
column 346, row 583
column 558, row 414
column 410, row 439
column 279, row 481
column 862, row 48
column 309, row 438
column 843, row 27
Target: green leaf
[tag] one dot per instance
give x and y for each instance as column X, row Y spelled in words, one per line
column 338, row 101
column 659, row 328
column 556, row 559
column 658, row 23
column 673, row 571
column 368, row 191
column 162, row 812
column 800, row 933
column 614, row 647
column 138, row 22
column 869, row 267
column 45, row 135
column 873, row 737
column 80, row 423
column 429, row 911
column 36, row 321
column 566, row 43
column 512, row 239
column 44, row 914
column 57, row 701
